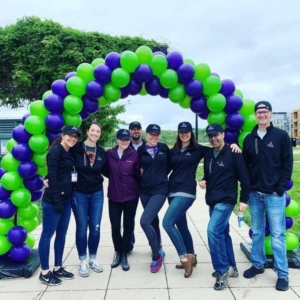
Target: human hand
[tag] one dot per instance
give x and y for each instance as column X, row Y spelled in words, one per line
column 235, row 148
column 46, row 183
column 202, row 184
column 242, row 206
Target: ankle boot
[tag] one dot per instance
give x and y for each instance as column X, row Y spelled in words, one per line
column 188, row 265
column 117, row 259
column 180, row 266
column 125, row 265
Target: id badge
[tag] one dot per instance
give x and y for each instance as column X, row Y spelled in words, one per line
column 74, row 176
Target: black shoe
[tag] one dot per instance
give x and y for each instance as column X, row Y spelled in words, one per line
column 282, row 284
column 49, row 279
column 125, row 265
column 62, row 273
column 252, row 272
column 117, row 260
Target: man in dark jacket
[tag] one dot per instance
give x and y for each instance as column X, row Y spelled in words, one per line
column 268, row 154
column 222, row 171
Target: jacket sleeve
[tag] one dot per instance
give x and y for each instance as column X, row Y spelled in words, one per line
column 243, row 177
column 137, row 169
column 169, row 164
column 105, row 169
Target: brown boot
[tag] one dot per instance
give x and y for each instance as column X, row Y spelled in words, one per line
column 188, row 265
column 194, row 263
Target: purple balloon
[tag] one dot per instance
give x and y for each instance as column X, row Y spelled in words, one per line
column 288, row 222
column 22, row 152
column 34, row 184
column 143, row 73
column 159, row 53
column 25, row 117
column 94, row 89
column 53, row 135
column 233, row 104
column 289, row 185
column 153, row 87
column 4, row 194
column 70, row 74
column 20, row 134
column 54, row 122
column 112, row 60
column 2, row 172
column 133, row 87
column 27, row 169
column 124, row 93
column 231, row 136
column 227, row 87
column 90, row 105
column 175, row 60
column 164, row 93
column 194, row 88
column 17, row 235
column 84, row 115
column 54, row 103
column 250, row 233
column 185, row 73
column 19, row 254
column 7, row 209
column 287, row 199
column 234, row 121
column 198, row 105
column 58, row 87
column 204, row 114
column 102, row 73
column 37, row 195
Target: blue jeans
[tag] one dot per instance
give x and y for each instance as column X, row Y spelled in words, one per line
column 219, row 240
column 179, row 234
column 87, row 209
column 58, row 223
column 273, row 205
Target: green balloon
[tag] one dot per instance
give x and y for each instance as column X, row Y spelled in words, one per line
column 85, row 71
column 103, row 101
column 5, row 245
column 247, row 107
column 143, row 91
column 189, row 61
column 47, row 93
column 38, row 143
column 216, row 102
column 28, row 212
column 292, row 209
column 216, row 117
column 129, row 61
column 292, row 241
column 177, row 93
column 202, row 71
column 241, row 138
column 98, row 61
column 30, row 240
column 73, row 104
column 120, row 77
column 29, row 225
column 42, row 171
column 11, row 180
column 5, row 226
column 9, row 163
column 186, row 102
column 168, row 79
column 40, row 158
column 144, row 54
column 20, row 197
column 111, row 92
column 37, row 108
column 72, row 120
column 10, row 144
column 76, row 86
column 35, row 124
column 158, row 64
column 268, row 245
column 211, row 85
column 249, row 122
column 239, row 93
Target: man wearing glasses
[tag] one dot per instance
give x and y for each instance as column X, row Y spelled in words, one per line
column 268, row 154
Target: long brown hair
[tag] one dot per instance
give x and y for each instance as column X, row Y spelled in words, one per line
column 178, row 144
column 55, row 142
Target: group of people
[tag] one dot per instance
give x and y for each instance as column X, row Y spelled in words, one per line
column 148, row 170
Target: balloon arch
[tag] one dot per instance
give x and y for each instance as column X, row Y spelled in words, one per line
column 83, row 93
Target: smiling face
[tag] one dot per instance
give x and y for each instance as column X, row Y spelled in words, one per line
column 69, row 140
column 185, row 136
column 152, row 139
column 94, row 133
column 217, row 140
column 263, row 116
column 135, row 133
column 123, row 144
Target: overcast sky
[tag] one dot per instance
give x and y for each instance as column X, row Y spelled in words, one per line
column 253, row 42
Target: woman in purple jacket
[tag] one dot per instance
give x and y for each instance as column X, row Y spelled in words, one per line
column 124, row 174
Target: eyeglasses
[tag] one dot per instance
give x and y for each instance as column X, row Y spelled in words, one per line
column 74, row 136
column 263, row 112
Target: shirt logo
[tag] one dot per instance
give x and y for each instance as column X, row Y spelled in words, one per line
column 99, row 158
column 220, row 164
column 188, row 153
column 159, row 153
column 270, row 145
column 130, row 161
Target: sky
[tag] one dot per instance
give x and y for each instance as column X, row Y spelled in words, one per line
column 255, row 43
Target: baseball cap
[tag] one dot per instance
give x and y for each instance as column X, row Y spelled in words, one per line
column 123, row 134
column 185, row 126
column 213, row 129
column 153, row 128
column 264, row 104
column 135, row 124
column 70, row 130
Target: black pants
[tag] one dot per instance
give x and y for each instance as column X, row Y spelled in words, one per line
column 128, row 208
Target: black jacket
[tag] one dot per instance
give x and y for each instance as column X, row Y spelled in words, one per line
column 184, row 166
column 60, row 166
column 222, row 175
column 155, row 170
column 269, row 160
column 89, row 179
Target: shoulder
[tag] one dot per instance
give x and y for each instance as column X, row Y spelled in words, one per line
column 163, row 146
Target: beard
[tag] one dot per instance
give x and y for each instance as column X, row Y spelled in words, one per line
column 135, row 138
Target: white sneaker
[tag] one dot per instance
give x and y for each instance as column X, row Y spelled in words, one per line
column 83, row 269
column 96, row 265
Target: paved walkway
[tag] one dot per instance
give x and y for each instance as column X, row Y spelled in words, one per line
column 139, row 283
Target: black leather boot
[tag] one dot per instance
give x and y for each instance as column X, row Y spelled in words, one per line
column 125, row 265
column 117, row 259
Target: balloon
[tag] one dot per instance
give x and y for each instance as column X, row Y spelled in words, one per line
column 211, row 85
column 29, row 225
column 10, row 144
column 177, row 93
column 227, row 87
column 53, row 135
column 216, row 102
column 233, row 104
column 250, row 233
column 11, row 180
column 38, row 143
column 2, row 172
column 37, row 108
column 95, row 89
column 54, row 103
column 7, row 209
column 25, row 117
column 35, row 125
column 34, row 184
column 158, row 64
column 98, row 61
column 5, row 245
column 4, row 194
column 185, row 73
column 37, row 195
column 22, row 152
column 288, row 222
column 111, row 92
column 287, row 199
column 134, row 87
column 103, row 101
column 249, row 123
column 186, row 102
column 124, row 93
column 42, row 171
column 19, row 254
column 102, row 74
column 30, row 240
column 20, row 134
column 70, row 74
column 198, row 105
column 189, row 61
column 247, row 108
column 164, row 93
column 40, row 159
column 129, row 61
column 5, row 226
column 72, row 120
column 231, row 136
column 76, row 86
column 112, row 60
column 216, row 117
column 143, row 73
column 73, row 104
column 20, row 197
column 17, row 236
column 59, row 87
column 175, row 60
column 47, row 93
column 241, row 138
column 168, row 79
column 9, row 163
column 144, row 54
column 54, row 122
column 291, row 210
column 85, row 71
column 202, row 71
column 120, row 78
column 289, row 185
column 90, row 106
column 194, row 88
column 234, row 121
column 204, row 114
column 27, row 169
column 153, row 87
column 292, row 241
column 268, row 245
column 28, row 212
column 84, row 115
column 239, row 93
column 159, row 53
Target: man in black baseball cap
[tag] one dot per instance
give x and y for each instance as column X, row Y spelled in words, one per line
column 213, row 129
column 135, row 124
column 263, row 104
